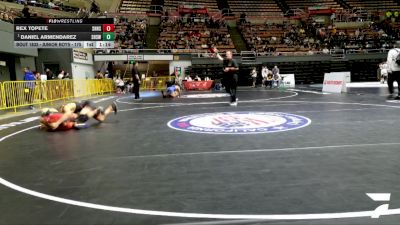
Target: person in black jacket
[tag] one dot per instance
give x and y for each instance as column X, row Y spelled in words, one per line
column 25, row 11
column 136, row 81
column 231, row 69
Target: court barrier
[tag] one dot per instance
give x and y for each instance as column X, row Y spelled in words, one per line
column 15, row 94
column 152, row 83
column 2, row 98
column 155, row 83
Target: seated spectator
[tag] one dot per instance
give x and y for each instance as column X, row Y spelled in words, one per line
column 269, row 80
column 120, row 85
column 188, row 78
column 276, row 80
column 61, row 74
column 99, row 75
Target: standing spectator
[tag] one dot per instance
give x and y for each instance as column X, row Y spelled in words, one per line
column 110, row 69
column 94, row 8
column 393, row 70
column 50, row 74
column 83, row 13
column 383, row 72
column 25, row 11
column 136, row 81
column 253, row 75
column 276, row 76
column 275, row 70
column 333, row 18
column 107, row 75
column 29, row 79
column 264, row 73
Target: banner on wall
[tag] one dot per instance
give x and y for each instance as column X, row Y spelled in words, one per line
column 80, row 56
column 135, row 57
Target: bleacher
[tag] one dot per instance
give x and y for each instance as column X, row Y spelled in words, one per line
column 134, row 6
column 209, row 4
column 270, row 38
column 373, row 4
column 255, row 7
column 301, row 4
column 197, row 36
column 130, row 34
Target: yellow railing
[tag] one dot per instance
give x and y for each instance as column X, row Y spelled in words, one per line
column 153, row 83
column 14, row 94
column 2, row 97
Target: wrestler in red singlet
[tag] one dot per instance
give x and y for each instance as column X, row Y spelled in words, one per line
column 54, row 117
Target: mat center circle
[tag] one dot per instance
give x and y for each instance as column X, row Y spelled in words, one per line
column 239, row 122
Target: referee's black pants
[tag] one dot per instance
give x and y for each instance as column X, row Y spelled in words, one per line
column 392, row 77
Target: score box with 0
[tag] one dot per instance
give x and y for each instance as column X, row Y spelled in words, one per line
column 103, row 28
column 103, row 37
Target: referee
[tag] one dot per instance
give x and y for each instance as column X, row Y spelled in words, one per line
column 230, row 78
column 136, row 81
column 393, row 71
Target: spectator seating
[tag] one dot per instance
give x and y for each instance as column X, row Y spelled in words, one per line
column 134, row 6
column 300, row 4
column 255, row 7
column 210, row 4
column 8, row 15
column 373, row 5
column 276, row 38
column 177, row 34
column 58, row 5
column 130, row 34
column 310, row 37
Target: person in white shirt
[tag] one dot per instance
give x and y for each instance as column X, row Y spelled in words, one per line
column 253, row 75
column 393, row 71
column 264, row 73
column 197, row 78
column 61, row 75
column 120, row 85
column 384, row 72
column 188, row 78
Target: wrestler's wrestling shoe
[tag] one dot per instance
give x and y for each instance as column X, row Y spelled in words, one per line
column 114, row 107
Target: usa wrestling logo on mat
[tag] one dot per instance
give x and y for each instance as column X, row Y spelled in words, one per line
column 239, row 122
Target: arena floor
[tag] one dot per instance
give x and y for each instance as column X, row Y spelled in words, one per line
column 279, row 157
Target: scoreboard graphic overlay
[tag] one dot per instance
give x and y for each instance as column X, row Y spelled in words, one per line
column 64, row 33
